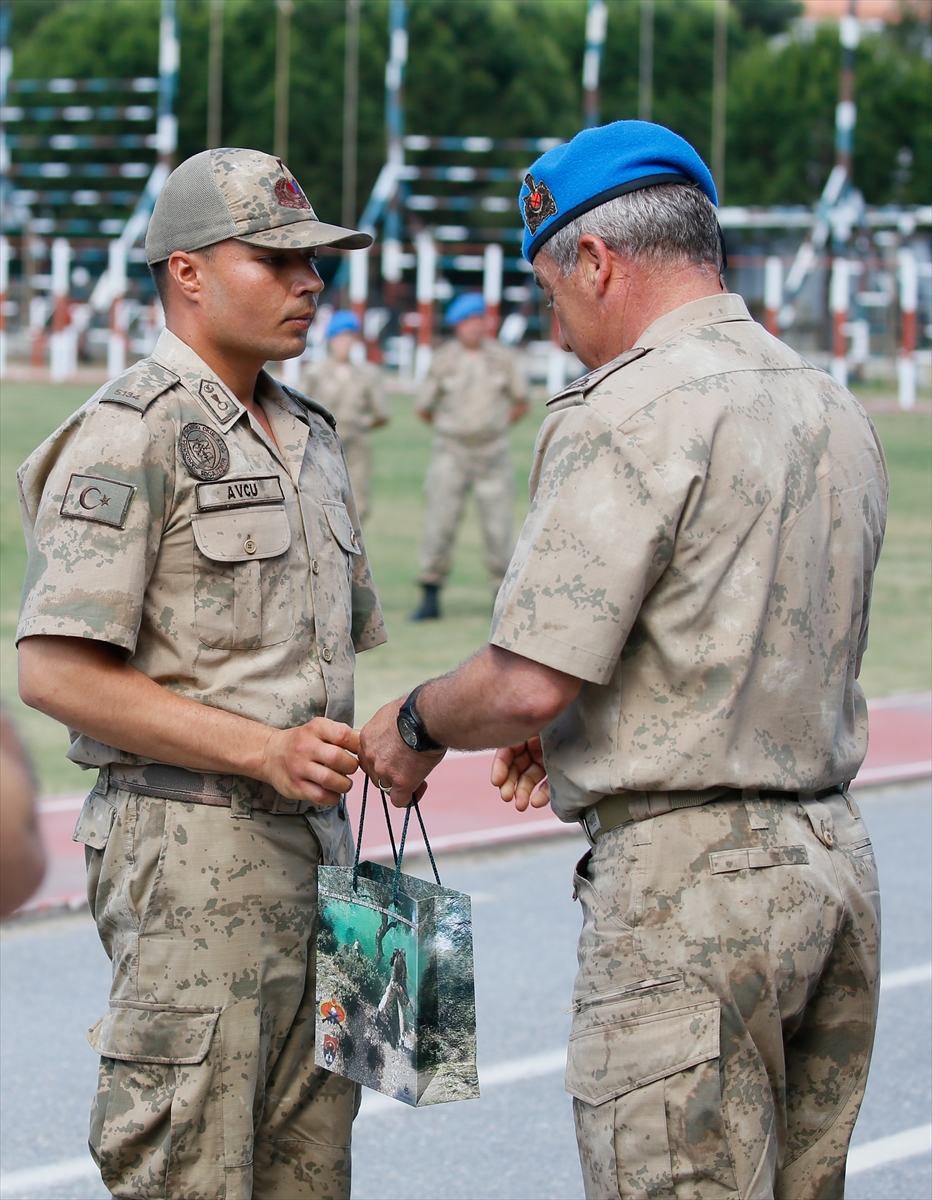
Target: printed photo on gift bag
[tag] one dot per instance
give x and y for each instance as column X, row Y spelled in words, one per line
column 396, row 1002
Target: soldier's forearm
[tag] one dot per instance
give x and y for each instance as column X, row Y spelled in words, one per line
column 88, row 687
column 495, row 698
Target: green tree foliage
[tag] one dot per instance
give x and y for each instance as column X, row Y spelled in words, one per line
column 781, row 120
column 512, row 68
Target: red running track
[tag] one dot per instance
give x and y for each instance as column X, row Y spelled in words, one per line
column 463, row 811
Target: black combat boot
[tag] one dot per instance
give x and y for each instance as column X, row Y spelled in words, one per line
column 430, row 605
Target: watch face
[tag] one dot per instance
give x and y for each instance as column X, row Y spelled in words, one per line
column 408, row 730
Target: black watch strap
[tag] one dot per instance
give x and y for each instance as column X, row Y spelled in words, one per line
column 411, row 727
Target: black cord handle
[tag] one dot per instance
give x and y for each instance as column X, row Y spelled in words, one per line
column 397, row 852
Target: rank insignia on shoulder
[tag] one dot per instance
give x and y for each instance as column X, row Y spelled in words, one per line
column 204, row 452
column 539, row 204
column 91, row 498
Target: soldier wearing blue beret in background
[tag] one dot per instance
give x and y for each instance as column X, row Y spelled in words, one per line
column 673, row 664
column 353, row 393
column 473, row 391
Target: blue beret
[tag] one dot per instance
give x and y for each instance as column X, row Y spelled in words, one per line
column 343, row 321
column 597, row 165
column 469, row 304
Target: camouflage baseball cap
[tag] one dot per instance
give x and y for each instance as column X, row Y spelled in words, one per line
column 245, row 194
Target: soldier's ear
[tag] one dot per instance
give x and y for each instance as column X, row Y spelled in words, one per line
column 184, row 270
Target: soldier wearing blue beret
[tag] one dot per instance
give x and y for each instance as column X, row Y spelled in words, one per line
column 673, row 664
column 473, row 392
column 353, row 392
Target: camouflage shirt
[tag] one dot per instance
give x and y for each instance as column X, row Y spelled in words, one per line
column 162, row 520
column 706, row 515
column 471, row 392
column 353, row 392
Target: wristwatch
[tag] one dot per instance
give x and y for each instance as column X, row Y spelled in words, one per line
column 411, row 727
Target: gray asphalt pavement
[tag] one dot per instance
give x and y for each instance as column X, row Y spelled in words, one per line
column 517, row 1141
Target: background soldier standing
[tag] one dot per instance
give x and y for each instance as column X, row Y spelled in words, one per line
column 354, row 394
column 684, row 619
column 473, row 391
column 196, row 591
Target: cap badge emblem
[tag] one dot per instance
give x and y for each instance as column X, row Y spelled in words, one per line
column 539, row 205
column 287, row 192
column 204, row 452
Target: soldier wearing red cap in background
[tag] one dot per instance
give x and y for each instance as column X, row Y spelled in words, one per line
column 673, row 659
column 473, row 392
column 353, row 393
column 196, row 592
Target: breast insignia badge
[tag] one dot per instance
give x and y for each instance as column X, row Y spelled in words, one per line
column 204, row 452
column 539, row 205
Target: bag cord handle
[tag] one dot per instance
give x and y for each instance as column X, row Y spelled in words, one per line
column 397, row 853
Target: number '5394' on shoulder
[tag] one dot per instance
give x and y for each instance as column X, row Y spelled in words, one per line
column 162, row 520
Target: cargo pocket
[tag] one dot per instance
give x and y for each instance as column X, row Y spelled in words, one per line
column 242, row 585
column 648, row 1096
column 157, row 1121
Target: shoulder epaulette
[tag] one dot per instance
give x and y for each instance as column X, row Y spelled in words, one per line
column 139, row 386
column 310, row 404
column 585, row 383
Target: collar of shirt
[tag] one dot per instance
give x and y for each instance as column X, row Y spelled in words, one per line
column 198, row 378
column 709, row 310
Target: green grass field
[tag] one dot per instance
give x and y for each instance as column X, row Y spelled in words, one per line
column 899, row 658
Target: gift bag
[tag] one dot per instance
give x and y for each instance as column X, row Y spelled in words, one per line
column 396, row 1005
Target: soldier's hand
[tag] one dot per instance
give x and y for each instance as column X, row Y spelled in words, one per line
column 388, row 761
column 517, row 771
column 313, row 761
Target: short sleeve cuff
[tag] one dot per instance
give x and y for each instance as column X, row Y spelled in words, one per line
column 49, row 625
column 549, row 651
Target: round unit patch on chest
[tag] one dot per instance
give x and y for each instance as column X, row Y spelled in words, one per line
column 204, row 452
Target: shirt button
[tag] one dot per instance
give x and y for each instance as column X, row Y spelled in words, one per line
column 326, row 654
column 353, row 540
column 249, row 546
column 315, row 566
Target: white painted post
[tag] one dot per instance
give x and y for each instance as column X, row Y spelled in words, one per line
column 909, row 295
column 426, row 286
column 358, row 281
column 391, row 260
column 4, row 288
column 838, row 304
column 492, row 261
column 116, row 343
column 773, row 293
column 60, row 343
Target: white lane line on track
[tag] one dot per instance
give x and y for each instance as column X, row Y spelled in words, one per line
column 69, row 1170
column 891, row 980
column 897, row 1146
column 862, row 1158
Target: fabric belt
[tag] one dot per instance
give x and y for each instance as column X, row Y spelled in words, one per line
column 641, row 806
column 200, row 787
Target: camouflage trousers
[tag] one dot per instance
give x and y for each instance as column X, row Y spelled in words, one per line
column 358, row 455
column 207, row 1085
column 455, row 470
column 726, row 1001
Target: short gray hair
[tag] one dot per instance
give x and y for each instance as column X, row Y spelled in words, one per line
column 672, row 221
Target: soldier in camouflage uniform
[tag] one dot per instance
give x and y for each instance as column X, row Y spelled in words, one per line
column 684, row 619
column 196, row 592
column 473, row 392
column 353, row 392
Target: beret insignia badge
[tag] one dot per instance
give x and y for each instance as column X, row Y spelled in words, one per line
column 204, row 452
column 539, row 205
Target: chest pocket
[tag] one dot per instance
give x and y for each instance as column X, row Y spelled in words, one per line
column 341, row 526
column 242, row 580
